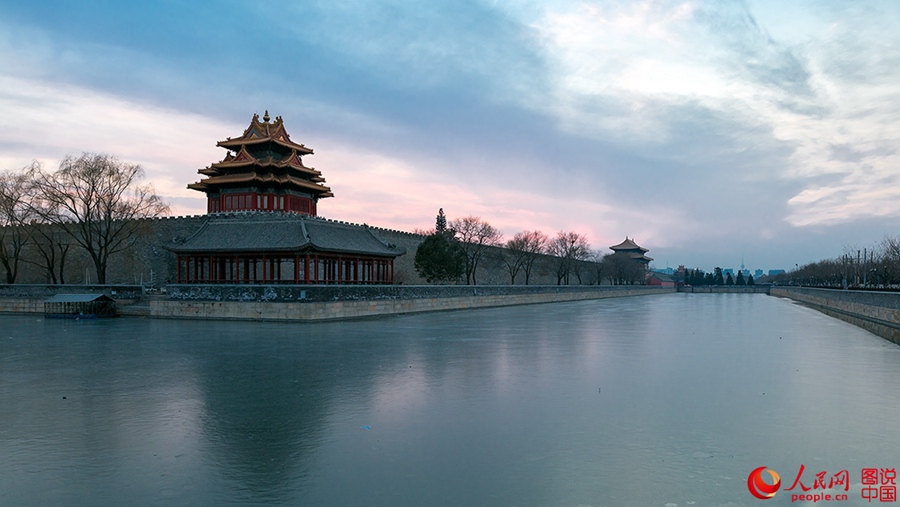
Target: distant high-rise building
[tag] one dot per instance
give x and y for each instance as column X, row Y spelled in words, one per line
column 773, row 272
column 758, row 273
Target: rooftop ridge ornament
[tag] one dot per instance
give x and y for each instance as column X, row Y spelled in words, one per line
column 266, row 116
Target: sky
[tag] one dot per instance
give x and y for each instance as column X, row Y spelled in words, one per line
column 710, row 132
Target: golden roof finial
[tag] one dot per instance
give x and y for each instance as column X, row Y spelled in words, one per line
column 266, row 116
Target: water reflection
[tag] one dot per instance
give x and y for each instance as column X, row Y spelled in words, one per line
column 633, row 401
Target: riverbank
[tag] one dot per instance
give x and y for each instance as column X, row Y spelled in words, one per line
column 310, row 303
column 722, row 289
column 314, row 303
column 876, row 312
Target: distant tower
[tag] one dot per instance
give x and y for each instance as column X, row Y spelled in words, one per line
column 263, row 170
column 632, row 250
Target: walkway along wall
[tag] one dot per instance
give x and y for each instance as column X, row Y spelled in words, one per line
column 313, row 303
column 876, row 312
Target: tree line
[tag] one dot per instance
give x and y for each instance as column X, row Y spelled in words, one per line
column 699, row 277
column 453, row 251
column 874, row 267
column 90, row 203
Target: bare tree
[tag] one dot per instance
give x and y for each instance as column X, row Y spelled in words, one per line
column 601, row 269
column 52, row 245
column 622, row 269
column 476, row 236
column 15, row 212
column 97, row 200
column 889, row 260
column 522, row 251
column 570, row 249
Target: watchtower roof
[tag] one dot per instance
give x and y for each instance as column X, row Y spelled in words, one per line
column 261, row 132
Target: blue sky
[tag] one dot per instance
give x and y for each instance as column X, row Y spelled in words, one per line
column 707, row 131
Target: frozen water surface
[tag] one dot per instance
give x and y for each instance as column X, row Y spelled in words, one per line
column 645, row 401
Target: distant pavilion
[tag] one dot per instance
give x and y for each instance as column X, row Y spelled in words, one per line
column 632, row 250
column 262, row 226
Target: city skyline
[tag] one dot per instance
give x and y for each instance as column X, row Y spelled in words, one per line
column 705, row 131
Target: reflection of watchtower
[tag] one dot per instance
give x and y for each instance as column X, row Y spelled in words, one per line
column 263, row 171
column 632, row 250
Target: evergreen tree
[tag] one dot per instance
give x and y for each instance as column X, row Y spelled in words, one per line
column 740, row 279
column 729, row 280
column 698, row 277
column 440, row 224
column 717, row 277
column 709, row 279
column 440, row 258
column 750, row 280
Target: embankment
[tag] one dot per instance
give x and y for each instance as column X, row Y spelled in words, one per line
column 317, row 303
column 877, row 312
column 29, row 298
column 721, row 289
column 307, row 303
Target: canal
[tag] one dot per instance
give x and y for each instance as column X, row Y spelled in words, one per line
column 668, row 400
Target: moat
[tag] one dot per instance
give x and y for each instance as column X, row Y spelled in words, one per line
column 652, row 400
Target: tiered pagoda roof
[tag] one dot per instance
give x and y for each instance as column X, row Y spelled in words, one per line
column 250, row 231
column 264, row 158
column 632, row 249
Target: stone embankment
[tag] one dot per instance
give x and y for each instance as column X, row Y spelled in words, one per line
column 718, row 289
column 317, row 303
column 877, row 312
column 311, row 302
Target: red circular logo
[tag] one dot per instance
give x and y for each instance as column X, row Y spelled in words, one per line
column 759, row 488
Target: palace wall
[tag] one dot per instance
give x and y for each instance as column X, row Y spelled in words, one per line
column 147, row 261
column 144, row 261
column 491, row 269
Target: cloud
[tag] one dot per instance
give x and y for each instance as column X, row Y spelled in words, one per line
column 679, row 122
column 47, row 121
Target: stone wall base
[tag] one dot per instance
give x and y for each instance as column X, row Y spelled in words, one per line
column 336, row 310
column 878, row 313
